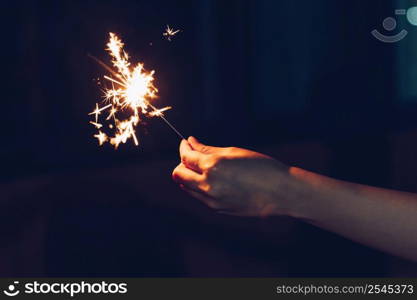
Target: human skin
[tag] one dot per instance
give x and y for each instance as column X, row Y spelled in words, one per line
column 240, row 182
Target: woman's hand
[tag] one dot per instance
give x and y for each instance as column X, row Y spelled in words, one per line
column 231, row 180
column 245, row 183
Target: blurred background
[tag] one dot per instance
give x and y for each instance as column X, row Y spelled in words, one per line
column 303, row 81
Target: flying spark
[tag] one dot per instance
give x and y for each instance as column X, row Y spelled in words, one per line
column 102, row 137
column 170, row 33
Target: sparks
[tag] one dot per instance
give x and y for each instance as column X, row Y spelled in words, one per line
column 102, row 137
column 131, row 91
column 96, row 125
column 170, row 33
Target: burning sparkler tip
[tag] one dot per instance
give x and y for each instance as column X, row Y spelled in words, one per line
column 131, row 90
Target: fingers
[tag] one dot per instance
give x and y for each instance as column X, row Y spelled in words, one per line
column 211, row 203
column 196, row 145
column 207, row 200
column 190, row 158
column 187, row 177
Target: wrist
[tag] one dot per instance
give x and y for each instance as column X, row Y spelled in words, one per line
column 294, row 196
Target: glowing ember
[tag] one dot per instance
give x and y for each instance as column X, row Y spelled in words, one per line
column 131, row 90
column 169, row 33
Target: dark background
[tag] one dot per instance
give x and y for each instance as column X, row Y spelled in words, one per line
column 304, row 81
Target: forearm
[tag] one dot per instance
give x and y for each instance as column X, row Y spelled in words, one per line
column 383, row 219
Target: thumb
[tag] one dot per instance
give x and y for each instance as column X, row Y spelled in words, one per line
column 197, row 146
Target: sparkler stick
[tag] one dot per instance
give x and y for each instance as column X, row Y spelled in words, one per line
column 168, row 123
column 131, row 92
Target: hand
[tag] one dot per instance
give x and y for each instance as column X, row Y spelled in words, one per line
column 231, row 180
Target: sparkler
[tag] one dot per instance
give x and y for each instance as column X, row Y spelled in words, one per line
column 131, row 91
